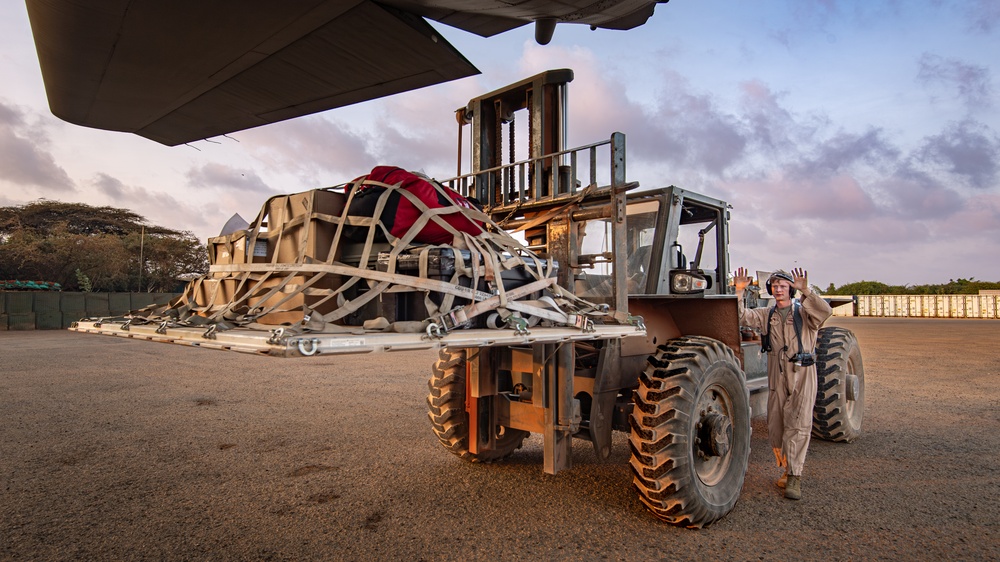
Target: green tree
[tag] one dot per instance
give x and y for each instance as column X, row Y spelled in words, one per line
column 952, row 287
column 860, row 288
column 53, row 241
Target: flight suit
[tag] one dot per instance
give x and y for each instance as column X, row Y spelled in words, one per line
column 792, row 393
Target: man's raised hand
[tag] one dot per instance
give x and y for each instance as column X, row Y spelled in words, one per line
column 741, row 280
column 801, row 281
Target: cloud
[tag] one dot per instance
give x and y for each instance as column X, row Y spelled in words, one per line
column 214, row 175
column 24, row 157
column 159, row 208
column 842, row 152
column 805, row 189
column 983, row 15
column 971, row 83
column 416, row 150
column 969, row 150
column 769, row 124
column 594, row 93
column 780, row 198
column 978, row 221
column 418, row 131
column 317, row 149
column 915, row 195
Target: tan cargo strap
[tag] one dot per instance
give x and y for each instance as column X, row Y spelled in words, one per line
column 256, row 289
column 462, row 316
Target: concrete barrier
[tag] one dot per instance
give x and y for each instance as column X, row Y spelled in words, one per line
column 40, row 310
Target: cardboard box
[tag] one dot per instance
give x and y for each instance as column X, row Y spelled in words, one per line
column 301, row 226
column 232, row 249
column 297, row 228
column 290, row 311
column 211, row 295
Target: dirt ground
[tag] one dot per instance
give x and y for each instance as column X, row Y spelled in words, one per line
column 115, row 449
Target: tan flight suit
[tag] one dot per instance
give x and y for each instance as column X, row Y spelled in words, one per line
column 792, row 389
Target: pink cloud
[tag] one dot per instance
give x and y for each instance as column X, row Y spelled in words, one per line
column 25, row 159
column 315, row 148
column 780, row 197
column 916, row 196
column 978, row 219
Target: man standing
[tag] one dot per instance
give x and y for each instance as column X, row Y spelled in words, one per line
column 788, row 333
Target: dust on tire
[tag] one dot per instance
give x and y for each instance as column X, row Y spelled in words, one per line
column 839, row 410
column 450, row 421
column 673, row 480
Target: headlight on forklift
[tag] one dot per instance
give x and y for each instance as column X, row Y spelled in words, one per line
column 686, row 282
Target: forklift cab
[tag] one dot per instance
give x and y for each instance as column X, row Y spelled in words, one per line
column 676, row 244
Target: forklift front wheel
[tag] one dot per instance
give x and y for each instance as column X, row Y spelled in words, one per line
column 690, row 436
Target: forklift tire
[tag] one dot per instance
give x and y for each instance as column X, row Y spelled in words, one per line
column 840, row 386
column 690, row 437
column 449, row 420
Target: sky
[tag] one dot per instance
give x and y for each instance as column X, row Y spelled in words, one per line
column 859, row 140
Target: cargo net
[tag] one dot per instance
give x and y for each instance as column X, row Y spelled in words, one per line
column 390, row 251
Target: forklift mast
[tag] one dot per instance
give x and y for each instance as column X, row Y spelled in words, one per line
column 541, row 195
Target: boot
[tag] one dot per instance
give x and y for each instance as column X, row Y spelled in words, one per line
column 793, row 489
column 783, row 480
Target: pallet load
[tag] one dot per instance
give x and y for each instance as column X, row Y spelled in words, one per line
column 392, row 250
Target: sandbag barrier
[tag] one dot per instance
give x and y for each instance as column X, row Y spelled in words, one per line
column 306, row 264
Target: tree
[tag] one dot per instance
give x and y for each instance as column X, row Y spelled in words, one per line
column 78, row 218
column 952, row 287
column 861, row 288
column 53, row 241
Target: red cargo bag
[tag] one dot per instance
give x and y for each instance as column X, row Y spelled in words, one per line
column 399, row 213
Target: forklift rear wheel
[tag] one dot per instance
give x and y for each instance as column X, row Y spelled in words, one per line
column 690, row 436
column 450, row 421
column 840, row 386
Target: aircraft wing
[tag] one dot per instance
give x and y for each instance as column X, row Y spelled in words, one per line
column 183, row 70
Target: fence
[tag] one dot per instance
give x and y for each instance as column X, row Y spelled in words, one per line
column 929, row 306
column 41, row 310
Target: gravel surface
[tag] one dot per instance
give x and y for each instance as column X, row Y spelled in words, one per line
column 115, row 449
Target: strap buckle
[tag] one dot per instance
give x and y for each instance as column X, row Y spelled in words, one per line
column 277, row 335
column 520, row 325
column 210, row 332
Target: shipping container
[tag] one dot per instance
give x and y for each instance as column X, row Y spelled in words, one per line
column 929, row 306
